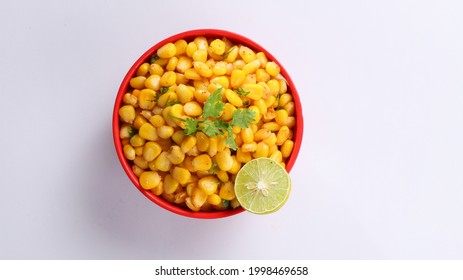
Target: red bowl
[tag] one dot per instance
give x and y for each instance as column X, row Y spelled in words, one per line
column 124, row 87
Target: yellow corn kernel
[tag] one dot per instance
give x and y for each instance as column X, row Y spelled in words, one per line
column 178, row 137
column 255, row 91
column 138, row 82
column 283, row 86
column 127, row 113
column 188, row 143
column 192, row 74
column 291, row 122
column 151, row 150
column 143, row 69
column 172, row 63
column 224, row 160
column 167, row 51
column 137, row 170
column 247, row 54
column 139, row 151
column 218, row 46
column 231, row 54
column 189, row 188
column 281, row 117
column 191, row 48
column 201, row 42
column 262, row 76
column 262, row 134
column 290, row 108
column 156, row 69
column 220, row 68
column 228, row 110
column 198, row 197
column 217, row 82
column 227, row 191
column 202, row 162
column 249, row 147
column 200, row 55
column 235, row 167
column 130, row 99
column 251, row 67
column 139, row 121
column 272, row 148
column 193, row 151
column 140, row 162
column 272, row 126
column 269, row 116
column 272, row 68
column 238, row 140
column 125, row 141
column 148, row 132
column 162, row 163
column 127, row 131
column 238, row 64
column 176, row 111
column 161, row 61
column 287, row 148
column 129, row 152
column 276, row 156
column 267, row 94
column 168, row 79
column 165, row 131
column 274, row 86
column 284, row 99
column 214, row 199
column 182, row 175
column 282, row 135
column 180, row 47
column 169, row 197
column 165, row 143
column 237, row 77
column 247, row 135
column 261, row 150
column 257, row 115
column 170, row 184
column 208, row 184
column 236, row 129
column 260, row 103
column 234, row 203
column 193, row 109
column 202, row 141
column 180, row 78
column 212, row 150
column 176, row 155
column 233, row 98
column 202, row 69
column 184, row 63
column 159, row 189
column 149, row 179
column 189, row 204
column 242, row 156
column 157, row 120
column 152, row 82
column 137, row 141
column 147, row 114
column 184, row 93
column 223, row 176
column 250, row 79
column 262, row 58
column 270, row 140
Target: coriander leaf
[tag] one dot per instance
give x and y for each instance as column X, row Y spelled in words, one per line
column 172, row 102
column 221, row 125
column 214, row 168
column 230, row 140
column 164, row 89
column 154, row 58
column 191, row 126
column 213, row 106
column 243, row 118
column 211, row 130
column 241, row 92
column 132, row 131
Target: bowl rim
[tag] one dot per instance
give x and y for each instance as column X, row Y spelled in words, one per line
column 190, row 34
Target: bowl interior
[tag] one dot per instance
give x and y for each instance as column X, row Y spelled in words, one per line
column 188, row 35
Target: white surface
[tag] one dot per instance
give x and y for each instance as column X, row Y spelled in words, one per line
column 379, row 175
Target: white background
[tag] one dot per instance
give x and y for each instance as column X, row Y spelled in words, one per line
column 379, row 175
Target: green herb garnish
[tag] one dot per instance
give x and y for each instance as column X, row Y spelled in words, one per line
column 241, row 92
column 154, row 58
column 163, row 90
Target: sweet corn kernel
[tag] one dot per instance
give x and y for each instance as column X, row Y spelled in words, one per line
column 220, row 68
column 165, row 131
column 214, row 199
column 208, row 184
column 168, row 79
column 198, row 197
column 224, row 160
column 227, row 191
column 202, row 69
column 233, row 98
column 193, row 109
column 137, row 82
column 167, row 51
column 139, row 121
column 156, row 69
column 188, row 143
column 287, row 148
column 148, row 132
column 157, row 120
column 182, row 175
column 129, row 152
column 162, row 163
column 200, row 55
column 261, row 150
column 235, row 167
column 127, row 113
column 180, row 47
column 170, row 184
column 237, row 78
column 151, row 151
column 282, row 135
column 251, row 67
column 247, row 54
column 202, row 162
column 202, row 141
column 149, row 179
column 223, row 176
column 140, row 162
column 255, row 91
column 281, row 117
column 272, row 68
column 243, row 156
column 143, row 69
column 137, row 141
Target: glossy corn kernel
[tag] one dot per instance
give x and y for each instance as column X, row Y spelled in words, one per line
column 220, row 68
column 198, row 197
column 247, row 54
column 231, row 54
column 261, row 150
column 162, row 163
column 274, row 87
column 188, row 143
column 178, row 136
column 200, row 56
column 165, row 131
column 217, row 46
column 180, row 197
column 233, row 98
column 157, row 121
column 202, row 141
column 227, row 191
column 180, row 46
column 247, row 135
column 282, row 135
column 156, row 69
column 193, row 109
column 182, row 175
column 167, row 51
column 255, row 91
column 140, row 162
column 242, row 156
column 237, row 78
column 127, row 113
column 176, row 155
column 222, row 176
column 137, row 141
column 170, row 184
column 224, row 160
column 208, row 184
column 149, row 179
column 202, row 162
column 235, row 167
column 168, row 79
column 129, row 152
column 202, row 69
column 287, row 148
column 148, row 132
column 159, row 189
column 137, row 82
column 281, row 117
column 214, row 199
column 251, row 67
column 151, row 150
column 272, row 68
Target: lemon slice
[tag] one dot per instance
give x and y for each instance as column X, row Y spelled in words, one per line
column 262, row 186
